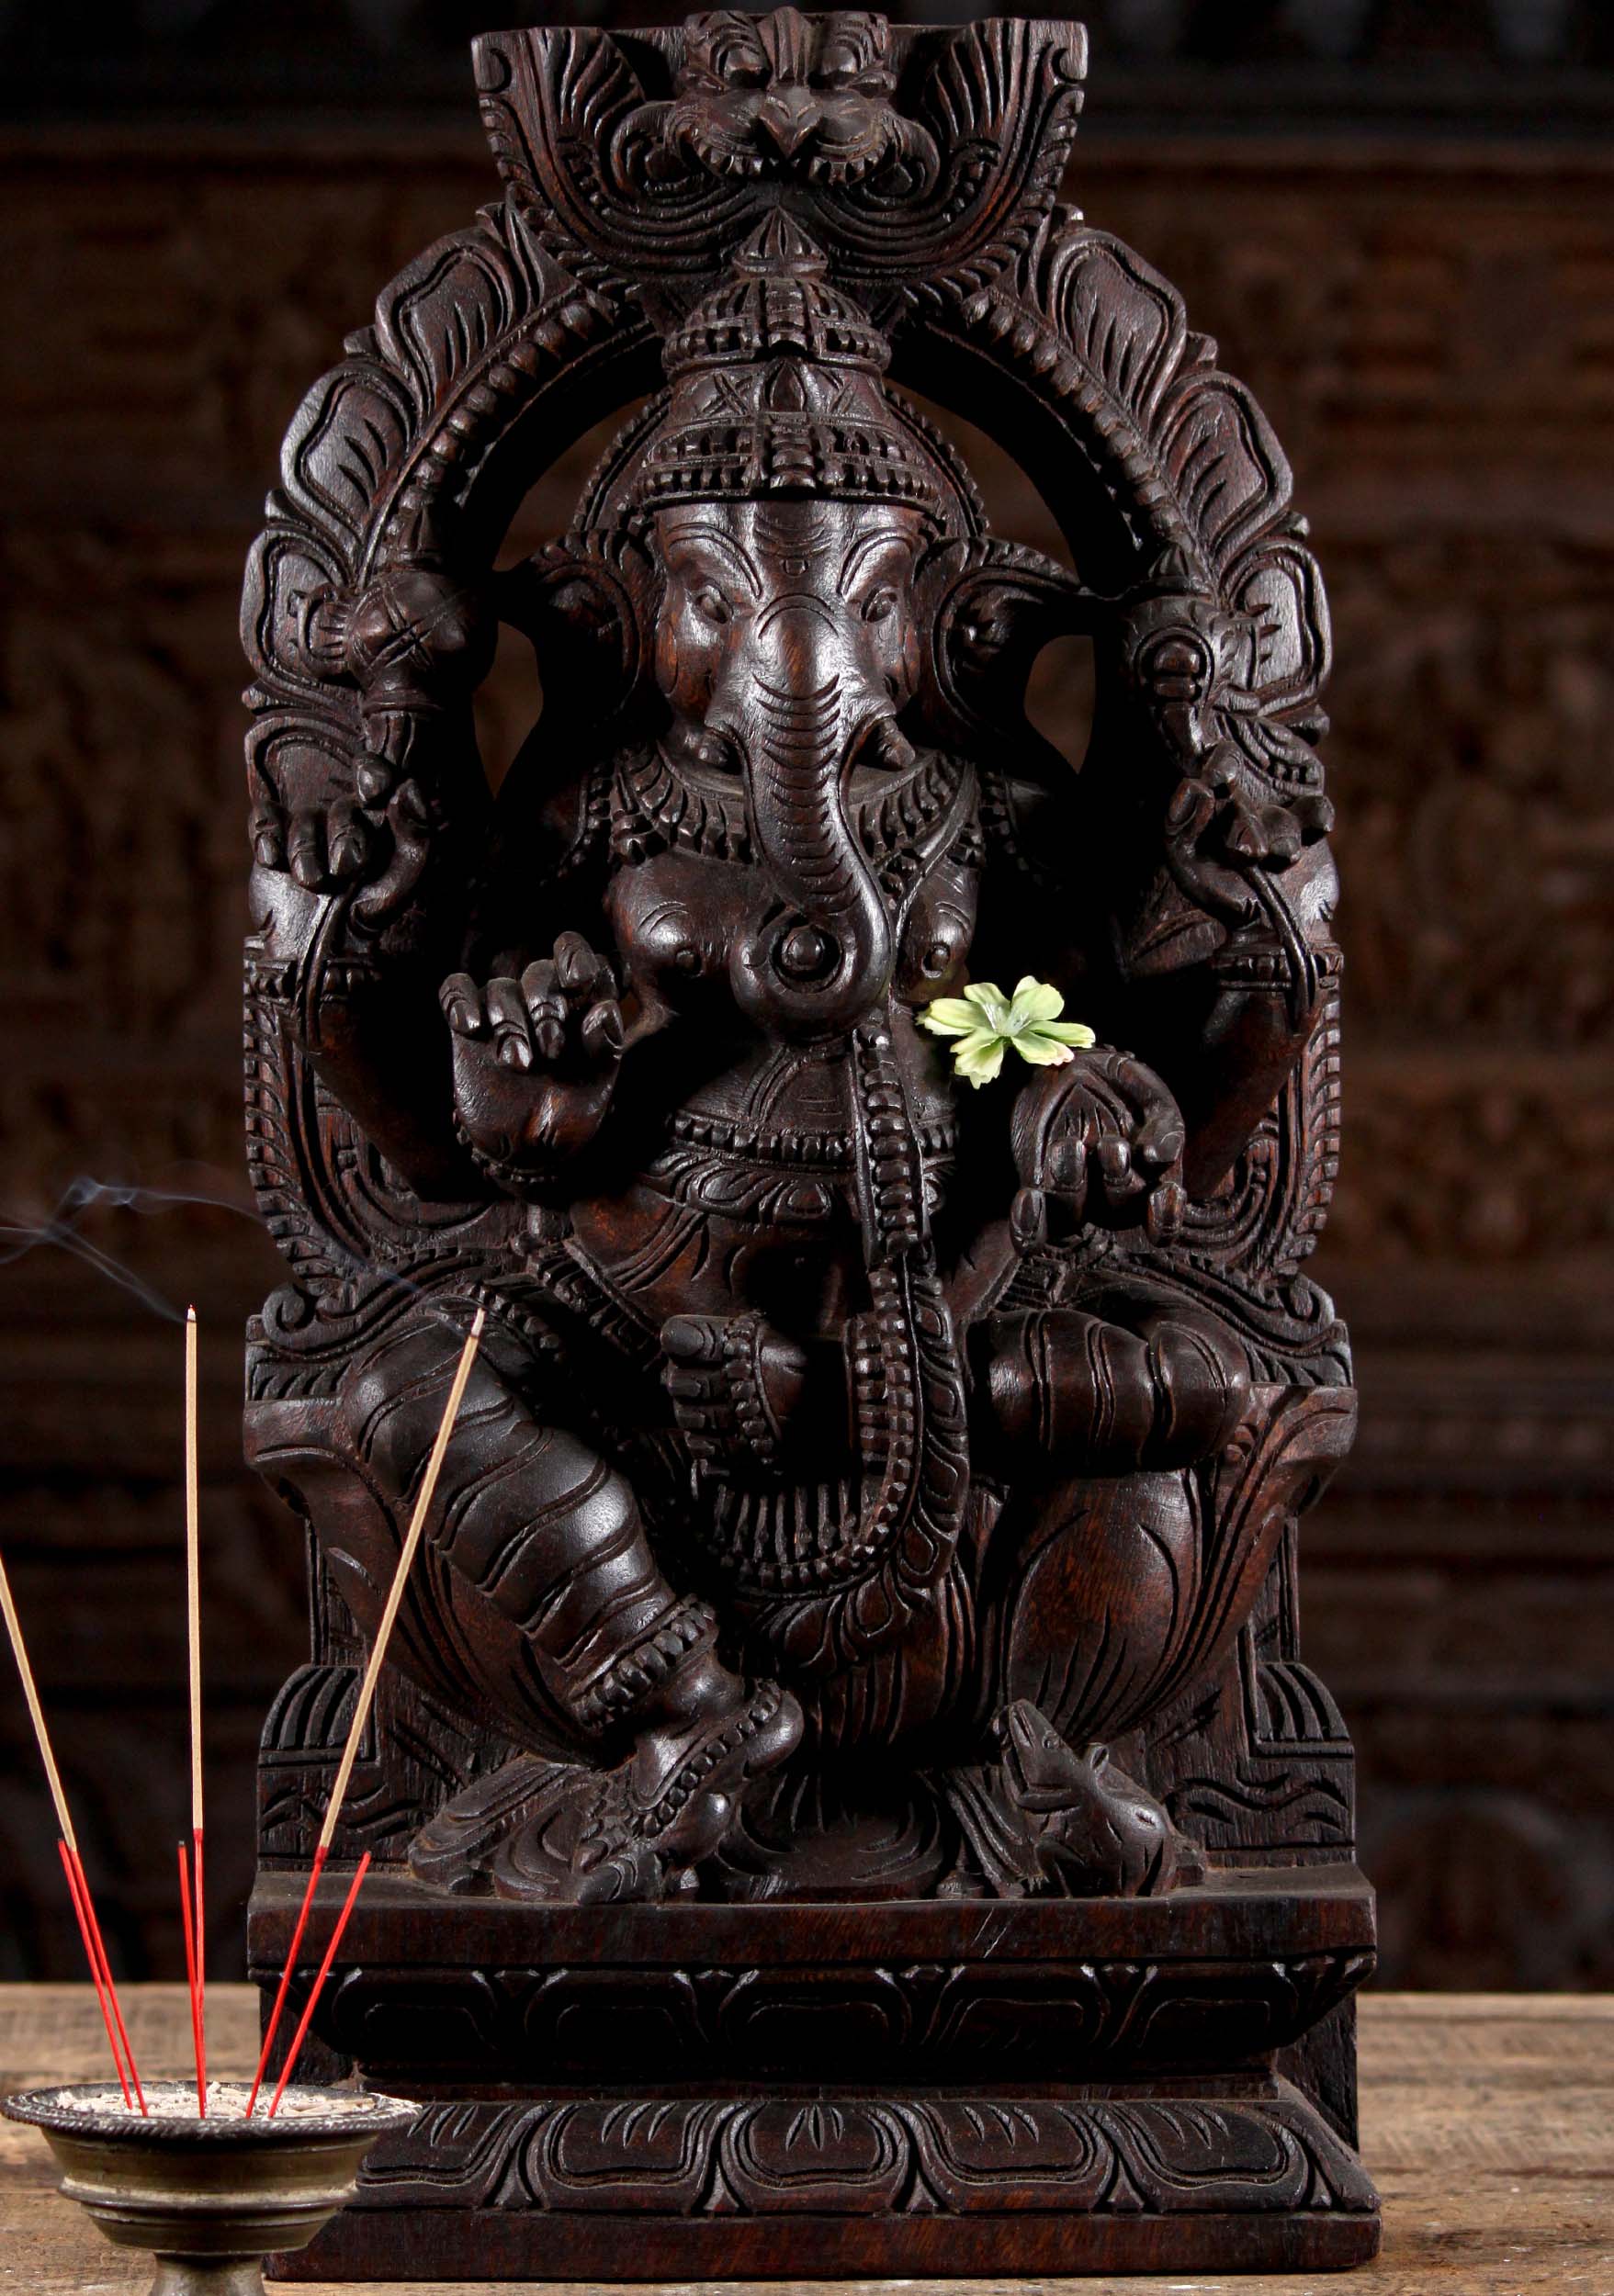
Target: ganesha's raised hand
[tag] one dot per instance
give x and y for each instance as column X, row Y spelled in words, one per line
column 534, row 1058
column 1098, row 1141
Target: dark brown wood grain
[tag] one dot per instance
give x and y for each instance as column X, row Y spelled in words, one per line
column 875, row 1499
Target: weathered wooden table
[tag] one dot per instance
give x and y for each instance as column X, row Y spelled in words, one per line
column 1489, row 2121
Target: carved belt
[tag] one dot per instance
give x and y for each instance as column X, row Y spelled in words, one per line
column 792, row 1178
column 824, row 1152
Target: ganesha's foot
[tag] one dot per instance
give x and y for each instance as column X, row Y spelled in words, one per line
column 1052, row 1819
column 639, row 1830
column 455, row 1849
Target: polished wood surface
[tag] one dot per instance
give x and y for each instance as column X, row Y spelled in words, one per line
column 1487, row 2123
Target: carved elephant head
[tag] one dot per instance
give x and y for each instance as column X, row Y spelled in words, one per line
column 793, row 565
column 804, row 647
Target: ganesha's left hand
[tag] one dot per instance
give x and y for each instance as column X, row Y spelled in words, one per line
column 1098, row 1143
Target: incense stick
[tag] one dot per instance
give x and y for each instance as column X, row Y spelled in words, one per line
column 193, row 1569
column 315, row 1871
column 187, row 1922
column 319, row 1986
column 199, row 1933
column 192, row 1904
column 36, row 1712
column 362, row 1709
column 73, row 1865
column 100, row 1965
column 395, row 1595
column 101, row 1997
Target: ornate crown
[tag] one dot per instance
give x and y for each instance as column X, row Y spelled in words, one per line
column 776, row 389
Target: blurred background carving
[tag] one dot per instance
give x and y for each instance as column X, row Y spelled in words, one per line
column 1397, row 216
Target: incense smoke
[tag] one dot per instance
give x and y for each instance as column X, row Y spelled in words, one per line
column 82, row 1195
column 60, row 1229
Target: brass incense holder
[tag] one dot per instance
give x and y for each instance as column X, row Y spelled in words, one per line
column 209, row 2199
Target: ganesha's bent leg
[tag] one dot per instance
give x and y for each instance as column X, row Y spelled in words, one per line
column 1104, row 1424
column 1100, row 1572
column 543, row 1528
column 549, row 1533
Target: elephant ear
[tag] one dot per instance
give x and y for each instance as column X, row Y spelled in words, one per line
column 586, row 605
column 990, row 608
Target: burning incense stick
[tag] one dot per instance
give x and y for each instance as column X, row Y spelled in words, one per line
column 356, row 1729
column 190, row 1888
column 78, row 1886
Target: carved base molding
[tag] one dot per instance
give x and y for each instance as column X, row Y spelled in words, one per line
column 634, row 2188
column 638, row 2093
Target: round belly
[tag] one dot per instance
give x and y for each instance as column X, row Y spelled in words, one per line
column 706, row 1234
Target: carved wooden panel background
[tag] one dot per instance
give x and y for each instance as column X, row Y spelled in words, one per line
column 1431, row 328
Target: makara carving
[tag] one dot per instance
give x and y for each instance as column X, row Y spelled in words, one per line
column 872, row 1473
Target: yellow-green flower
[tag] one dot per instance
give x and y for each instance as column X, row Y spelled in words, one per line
column 986, row 1022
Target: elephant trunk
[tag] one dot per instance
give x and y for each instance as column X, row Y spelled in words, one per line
column 823, row 962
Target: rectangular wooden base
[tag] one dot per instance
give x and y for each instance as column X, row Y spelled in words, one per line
column 711, row 2092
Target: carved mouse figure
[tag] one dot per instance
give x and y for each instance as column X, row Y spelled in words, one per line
column 1052, row 1819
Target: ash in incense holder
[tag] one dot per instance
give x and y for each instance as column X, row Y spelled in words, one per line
column 210, row 2198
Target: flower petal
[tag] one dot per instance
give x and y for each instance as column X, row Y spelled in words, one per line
column 1041, row 1050
column 950, row 1016
column 1067, row 1031
column 989, row 998
column 979, row 1059
column 1035, row 1000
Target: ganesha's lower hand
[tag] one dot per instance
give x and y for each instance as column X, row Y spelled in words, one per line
column 736, row 1385
column 1098, row 1141
column 535, row 1058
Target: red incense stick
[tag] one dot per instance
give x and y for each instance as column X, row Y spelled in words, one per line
column 315, row 1871
column 187, row 1922
column 102, row 1997
column 307, row 2016
column 73, row 1865
column 361, row 1716
column 190, row 1888
column 101, row 1963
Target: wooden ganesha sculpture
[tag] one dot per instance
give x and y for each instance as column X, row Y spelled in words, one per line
column 861, row 1460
